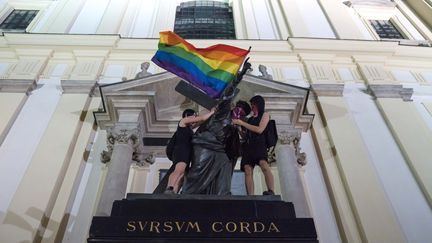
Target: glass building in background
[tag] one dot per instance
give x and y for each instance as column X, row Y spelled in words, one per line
column 204, row 20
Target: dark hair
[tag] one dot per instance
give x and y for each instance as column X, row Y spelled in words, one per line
column 244, row 105
column 188, row 112
column 259, row 102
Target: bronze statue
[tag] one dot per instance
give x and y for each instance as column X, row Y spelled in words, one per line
column 211, row 167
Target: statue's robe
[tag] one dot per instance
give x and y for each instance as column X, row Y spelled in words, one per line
column 211, row 168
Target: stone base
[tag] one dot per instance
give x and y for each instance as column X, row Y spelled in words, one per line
column 200, row 218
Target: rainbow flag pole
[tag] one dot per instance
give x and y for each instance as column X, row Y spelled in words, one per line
column 210, row 69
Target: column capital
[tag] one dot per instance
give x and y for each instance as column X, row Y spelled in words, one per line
column 123, row 134
column 292, row 138
column 288, row 136
column 126, row 133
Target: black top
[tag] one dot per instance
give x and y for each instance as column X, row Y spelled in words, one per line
column 183, row 145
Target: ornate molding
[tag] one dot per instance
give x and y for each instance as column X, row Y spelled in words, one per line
column 145, row 159
column 129, row 134
column 390, row 91
column 292, row 138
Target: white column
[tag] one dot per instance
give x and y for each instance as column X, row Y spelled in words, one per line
column 115, row 185
column 289, row 175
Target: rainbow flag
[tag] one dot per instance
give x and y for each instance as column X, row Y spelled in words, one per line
column 210, row 69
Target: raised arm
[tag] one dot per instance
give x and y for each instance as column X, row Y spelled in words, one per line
column 256, row 129
column 196, row 119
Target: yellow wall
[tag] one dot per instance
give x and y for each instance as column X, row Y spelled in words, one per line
column 10, row 105
column 373, row 213
column 414, row 139
column 37, row 193
column 343, row 211
column 60, row 212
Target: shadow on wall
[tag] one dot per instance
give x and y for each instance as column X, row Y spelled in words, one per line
column 56, row 230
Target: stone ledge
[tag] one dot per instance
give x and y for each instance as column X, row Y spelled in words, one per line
column 390, row 91
column 202, row 197
column 17, row 85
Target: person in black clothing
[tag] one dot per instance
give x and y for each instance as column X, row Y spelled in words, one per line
column 255, row 149
column 183, row 147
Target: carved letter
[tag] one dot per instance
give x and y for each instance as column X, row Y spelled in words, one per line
column 232, row 229
column 155, row 225
column 142, row 227
column 214, row 227
column 192, row 226
column 262, row 227
column 272, row 227
column 244, row 225
column 168, row 226
column 131, row 226
column 179, row 227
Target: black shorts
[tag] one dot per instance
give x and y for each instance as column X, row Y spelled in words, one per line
column 253, row 153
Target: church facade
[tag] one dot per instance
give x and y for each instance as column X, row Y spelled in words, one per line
column 349, row 84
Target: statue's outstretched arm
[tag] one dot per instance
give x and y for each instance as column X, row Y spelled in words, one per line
column 229, row 91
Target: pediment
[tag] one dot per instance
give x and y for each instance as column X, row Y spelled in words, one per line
column 161, row 105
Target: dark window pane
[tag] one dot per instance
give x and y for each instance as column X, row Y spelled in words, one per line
column 386, row 30
column 204, row 20
column 18, row 19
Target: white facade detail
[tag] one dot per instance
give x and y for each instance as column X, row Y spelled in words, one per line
column 314, row 19
column 414, row 215
column 24, row 136
column 319, row 201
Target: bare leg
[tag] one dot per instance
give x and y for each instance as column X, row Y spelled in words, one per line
column 249, row 179
column 177, row 175
column 268, row 175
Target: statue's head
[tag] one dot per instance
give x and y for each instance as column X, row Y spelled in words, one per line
column 145, row 65
column 262, row 68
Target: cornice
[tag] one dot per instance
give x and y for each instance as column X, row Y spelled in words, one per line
column 78, row 86
column 17, row 85
column 327, row 89
column 390, row 91
column 351, row 46
column 53, row 40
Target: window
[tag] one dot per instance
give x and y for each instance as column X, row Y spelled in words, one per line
column 386, row 30
column 18, row 19
column 204, row 20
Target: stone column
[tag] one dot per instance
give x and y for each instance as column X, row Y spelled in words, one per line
column 289, row 162
column 123, row 142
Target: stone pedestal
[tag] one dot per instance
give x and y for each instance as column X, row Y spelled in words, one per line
column 202, row 218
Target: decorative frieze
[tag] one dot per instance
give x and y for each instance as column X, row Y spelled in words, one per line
column 375, row 73
column 86, row 70
column 320, row 72
column 28, row 68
